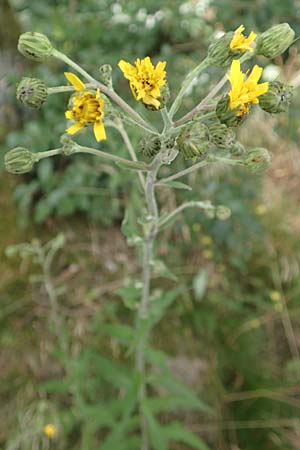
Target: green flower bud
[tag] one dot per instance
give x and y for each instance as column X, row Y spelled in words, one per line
column 275, row 40
column 277, row 99
column 226, row 115
column 257, row 160
column 222, row 136
column 193, row 141
column 219, row 52
column 149, row 145
column 164, row 98
column 19, row 160
column 237, row 149
column 105, row 74
column 32, row 92
column 223, row 212
column 35, row 46
column 69, row 147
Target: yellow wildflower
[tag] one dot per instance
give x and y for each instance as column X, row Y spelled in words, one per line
column 275, row 296
column 86, row 108
column 50, row 430
column 244, row 92
column 241, row 42
column 145, row 79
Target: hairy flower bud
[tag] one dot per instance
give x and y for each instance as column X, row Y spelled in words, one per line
column 105, row 74
column 220, row 135
column 35, row 46
column 237, row 149
column 226, row 115
column 219, row 53
column 275, row 40
column 69, row 147
column 32, row 92
column 193, row 141
column 19, row 160
column 149, row 145
column 257, row 159
column 277, row 99
column 223, row 212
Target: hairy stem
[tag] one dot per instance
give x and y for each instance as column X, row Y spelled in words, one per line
column 144, row 305
column 192, row 204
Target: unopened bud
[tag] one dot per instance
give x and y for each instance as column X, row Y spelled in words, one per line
column 219, row 53
column 149, row 145
column 19, row 160
column 69, row 147
column 277, row 99
column 105, row 74
column 193, row 141
column 275, row 40
column 222, row 136
column 32, row 92
column 237, row 149
column 35, row 46
column 257, row 160
column 223, row 212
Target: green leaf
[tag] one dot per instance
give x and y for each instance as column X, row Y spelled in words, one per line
column 160, row 269
column 123, row 333
column 171, row 403
column 157, row 436
column 178, row 433
column 132, row 165
column 176, row 185
column 200, row 283
column 161, row 304
column 130, row 296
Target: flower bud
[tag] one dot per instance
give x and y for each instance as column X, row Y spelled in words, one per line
column 275, row 40
column 69, row 147
column 32, row 92
column 105, row 74
column 193, row 141
column 226, row 115
column 221, row 136
column 19, row 160
column 149, row 145
column 219, row 53
column 277, row 99
column 257, row 160
column 35, row 46
column 237, row 149
column 223, row 212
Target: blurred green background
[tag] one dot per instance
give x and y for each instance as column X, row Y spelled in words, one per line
column 233, row 335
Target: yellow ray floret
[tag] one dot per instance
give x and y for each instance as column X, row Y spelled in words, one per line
column 86, row 108
column 241, row 42
column 145, row 79
column 244, row 92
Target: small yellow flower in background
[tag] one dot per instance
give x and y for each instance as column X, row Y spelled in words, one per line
column 241, row 42
column 254, row 323
column 145, row 79
column 206, row 240
column 196, row 227
column 50, row 430
column 275, row 296
column 261, row 209
column 86, row 108
column 208, row 254
column 245, row 92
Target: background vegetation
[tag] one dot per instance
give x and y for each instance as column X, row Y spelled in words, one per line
column 233, row 333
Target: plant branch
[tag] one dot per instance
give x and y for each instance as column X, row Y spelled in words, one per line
column 192, row 204
column 106, row 90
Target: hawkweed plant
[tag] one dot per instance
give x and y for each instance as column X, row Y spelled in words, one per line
column 203, row 136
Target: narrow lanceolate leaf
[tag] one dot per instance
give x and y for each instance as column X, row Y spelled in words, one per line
column 122, row 333
column 178, row 433
column 157, row 437
column 133, row 165
column 175, row 185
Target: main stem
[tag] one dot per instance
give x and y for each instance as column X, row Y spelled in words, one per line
column 144, row 305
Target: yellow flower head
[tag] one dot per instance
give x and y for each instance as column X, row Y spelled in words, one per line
column 244, row 92
column 145, row 79
column 86, row 108
column 50, row 430
column 241, row 42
